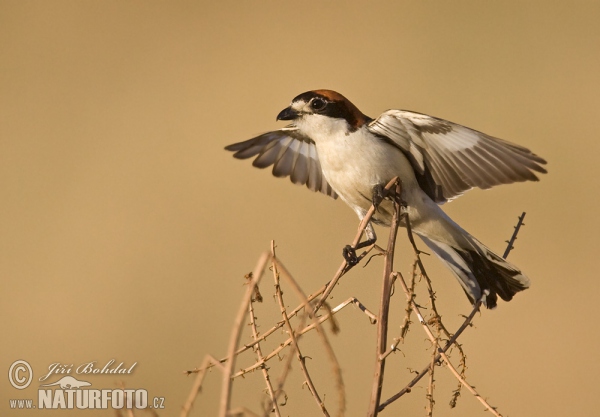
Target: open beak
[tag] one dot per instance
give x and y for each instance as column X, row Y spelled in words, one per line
column 288, row 114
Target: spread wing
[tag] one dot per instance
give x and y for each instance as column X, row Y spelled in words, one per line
column 450, row 159
column 291, row 154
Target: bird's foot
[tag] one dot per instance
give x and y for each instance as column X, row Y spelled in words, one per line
column 349, row 254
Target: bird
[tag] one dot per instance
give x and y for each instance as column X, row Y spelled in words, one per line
column 333, row 148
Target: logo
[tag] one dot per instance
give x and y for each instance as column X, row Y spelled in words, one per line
column 69, row 392
column 68, row 382
column 15, row 376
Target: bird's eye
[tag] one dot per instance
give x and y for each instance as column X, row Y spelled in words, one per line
column 318, row 104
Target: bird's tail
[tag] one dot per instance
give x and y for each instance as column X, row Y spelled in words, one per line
column 480, row 271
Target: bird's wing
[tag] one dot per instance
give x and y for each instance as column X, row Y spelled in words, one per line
column 291, row 154
column 450, row 159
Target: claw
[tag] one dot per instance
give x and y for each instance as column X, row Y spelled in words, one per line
column 350, row 255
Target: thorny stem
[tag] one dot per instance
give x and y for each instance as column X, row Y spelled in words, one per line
column 336, row 370
column 408, row 311
column 430, row 386
column 306, row 329
column 273, row 406
column 295, row 346
column 447, row 346
column 324, row 292
column 453, row 339
column 442, row 353
column 235, row 336
column 386, row 292
column 206, row 364
column 512, row 239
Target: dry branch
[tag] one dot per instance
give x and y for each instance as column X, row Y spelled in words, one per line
column 336, row 369
column 235, row 335
column 290, row 331
column 207, row 363
column 273, row 406
column 512, row 239
column 426, row 370
column 382, row 319
column 442, row 353
column 305, row 309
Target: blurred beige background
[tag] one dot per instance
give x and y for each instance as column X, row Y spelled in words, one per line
column 126, row 229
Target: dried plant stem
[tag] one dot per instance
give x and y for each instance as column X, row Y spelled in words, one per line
column 235, row 335
column 469, row 387
column 291, row 332
column 265, row 371
column 207, row 363
column 442, row 353
column 261, row 338
column 242, row 412
column 430, row 385
column 336, row 370
column 382, row 321
column 407, row 313
column 437, row 320
column 437, row 317
column 512, row 239
column 289, row 358
column 306, row 329
column 447, row 346
column 279, row 325
column 305, row 310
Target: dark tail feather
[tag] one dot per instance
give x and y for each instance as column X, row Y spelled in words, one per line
column 481, row 271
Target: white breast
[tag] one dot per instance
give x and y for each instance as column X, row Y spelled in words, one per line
column 355, row 162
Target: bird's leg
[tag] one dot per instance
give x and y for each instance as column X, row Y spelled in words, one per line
column 371, row 237
column 349, row 252
column 379, row 194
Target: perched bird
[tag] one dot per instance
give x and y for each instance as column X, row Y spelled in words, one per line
column 333, row 148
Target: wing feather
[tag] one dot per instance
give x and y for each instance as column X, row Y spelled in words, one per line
column 291, row 154
column 456, row 157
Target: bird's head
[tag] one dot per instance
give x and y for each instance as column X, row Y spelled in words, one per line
column 323, row 108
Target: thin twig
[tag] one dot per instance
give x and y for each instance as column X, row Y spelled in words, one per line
column 351, row 300
column 430, row 385
column 407, row 313
column 308, row 328
column 242, row 412
column 437, row 317
column 447, row 346
column 382, row 322
column 336, row 369
column 512, row 239
column 280, row 324
column 197, row 387
column 236, row 333
column 443, row 353
column 264, row 336
column 265, row 371
column 295, row 346
column 298, row 332
column 455, row 336
column 437, row 320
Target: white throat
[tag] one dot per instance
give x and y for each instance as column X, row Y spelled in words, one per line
column 322, row 128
